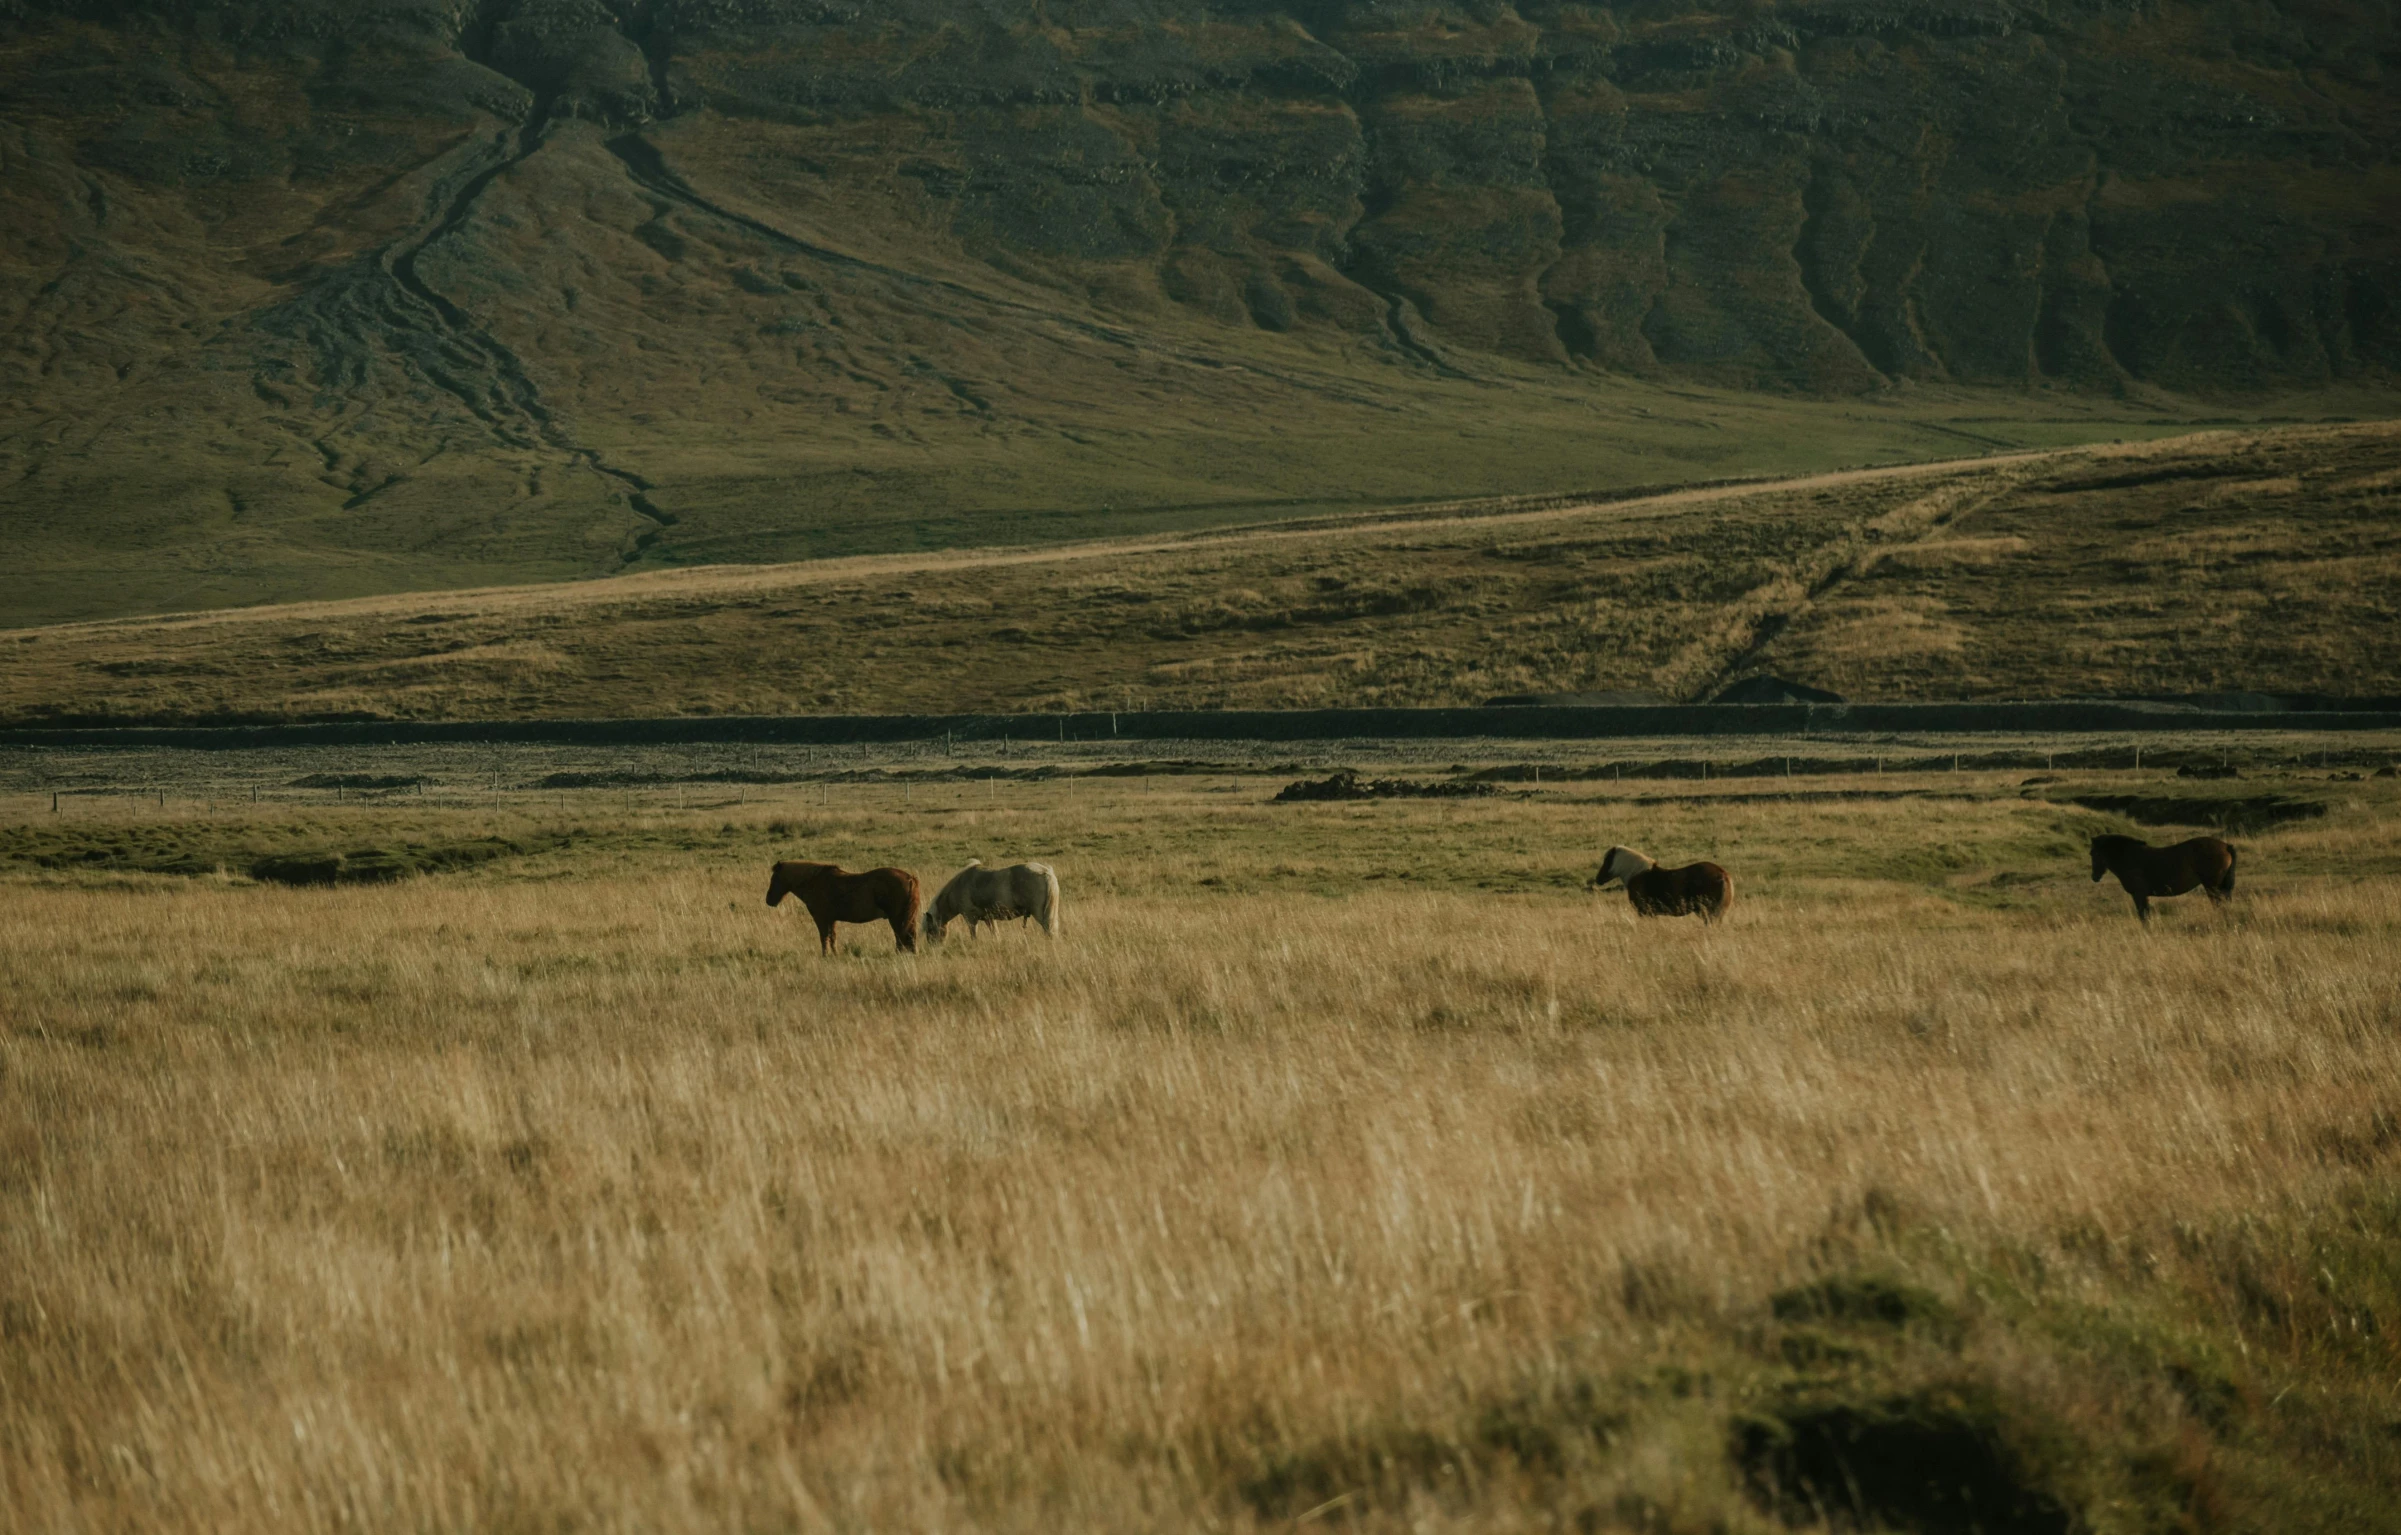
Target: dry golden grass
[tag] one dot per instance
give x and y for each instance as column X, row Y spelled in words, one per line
column 2178, row 566
column 581, row 1194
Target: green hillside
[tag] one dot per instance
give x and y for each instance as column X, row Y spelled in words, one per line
column 305, row 299
column 2224, row 561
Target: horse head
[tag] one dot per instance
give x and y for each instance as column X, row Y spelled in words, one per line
column 1616, row 864
column 933, row 926
column 2103, row 846
column 776, row 888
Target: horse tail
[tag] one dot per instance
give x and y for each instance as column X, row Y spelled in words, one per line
column 1050, row 901
column 1725, row 896
column 2226, row 885
column 914, row 894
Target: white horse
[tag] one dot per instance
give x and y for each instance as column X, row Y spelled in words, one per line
column 994, row 895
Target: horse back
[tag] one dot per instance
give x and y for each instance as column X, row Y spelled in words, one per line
column 1704, row 888
column 2197, row 862
column 1017, row 890
column 834, row 893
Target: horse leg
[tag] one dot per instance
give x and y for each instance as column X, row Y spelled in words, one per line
column 825, row 936
column 2142, row 907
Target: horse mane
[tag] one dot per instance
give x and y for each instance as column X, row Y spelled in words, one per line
column 916, row 907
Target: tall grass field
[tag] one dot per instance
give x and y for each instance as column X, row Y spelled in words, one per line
column 1340, row 1165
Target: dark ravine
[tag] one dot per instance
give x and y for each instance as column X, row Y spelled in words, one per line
column 503, row 364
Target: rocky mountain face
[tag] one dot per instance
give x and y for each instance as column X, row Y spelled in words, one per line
column 465, row 282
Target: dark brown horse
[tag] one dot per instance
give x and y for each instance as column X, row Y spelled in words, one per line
column 2146, row 871
column 1697, row 887
column 835, row 895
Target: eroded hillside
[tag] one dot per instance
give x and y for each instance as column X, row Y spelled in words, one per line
column 316, row 298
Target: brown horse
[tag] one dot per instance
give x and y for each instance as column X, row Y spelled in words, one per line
column 834, row 895
column 2145, row 871
column 1698, row 887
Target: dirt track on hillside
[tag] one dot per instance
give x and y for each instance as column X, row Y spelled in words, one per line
column 1503, row 511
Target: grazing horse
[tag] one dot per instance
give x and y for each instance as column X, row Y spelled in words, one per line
column 995, row 895
column 1698, row 887
column 2145, row 871
column 835, row 895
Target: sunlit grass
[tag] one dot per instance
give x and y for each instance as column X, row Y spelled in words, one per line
column 577, row 1191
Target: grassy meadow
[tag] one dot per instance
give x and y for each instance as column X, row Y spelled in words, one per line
column 2262, row 560
column 1342, row 1165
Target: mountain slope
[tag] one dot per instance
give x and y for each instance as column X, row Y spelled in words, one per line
column 304, row 298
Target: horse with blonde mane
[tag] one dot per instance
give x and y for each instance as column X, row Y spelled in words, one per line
column 1655, row 892
column 983, row 895
column 833, row 894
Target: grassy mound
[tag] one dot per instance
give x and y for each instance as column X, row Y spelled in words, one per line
column 292, row 856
